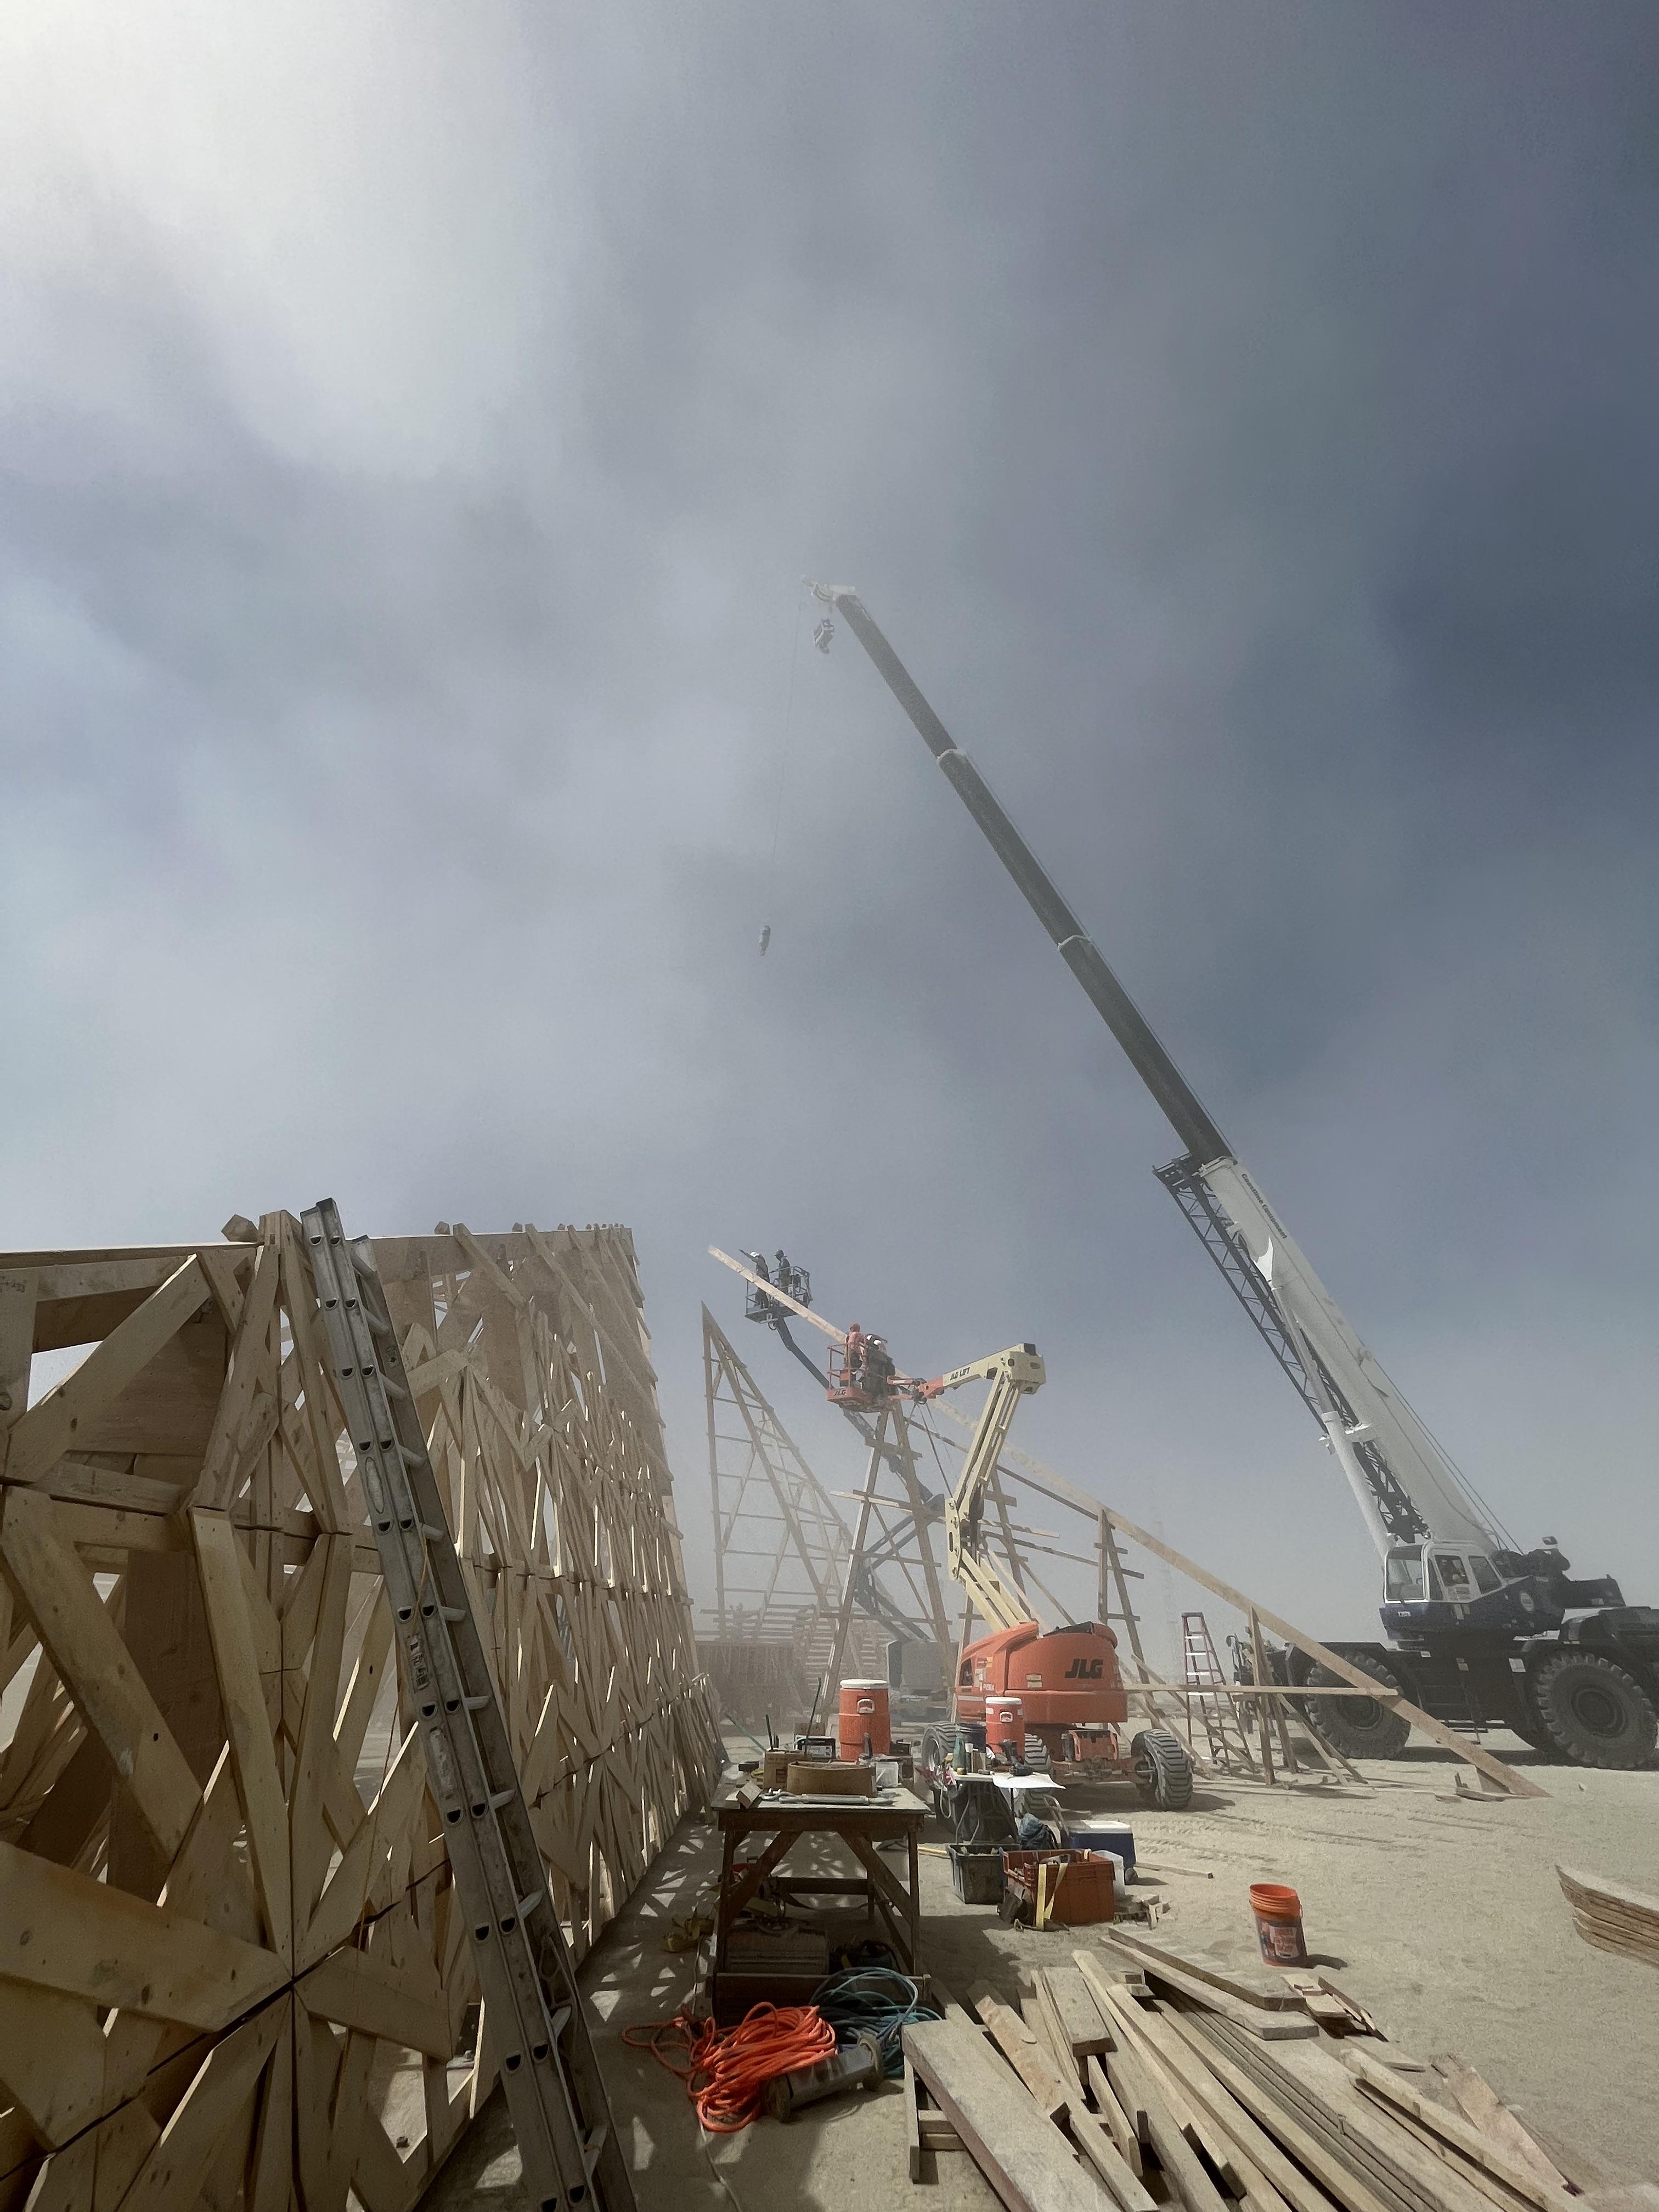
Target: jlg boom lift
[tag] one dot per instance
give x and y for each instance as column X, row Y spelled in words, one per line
column 1067, row 1681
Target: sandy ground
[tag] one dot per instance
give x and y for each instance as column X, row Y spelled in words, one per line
column 1446, row 1918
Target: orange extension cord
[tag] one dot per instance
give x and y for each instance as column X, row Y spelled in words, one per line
column 726, row 2069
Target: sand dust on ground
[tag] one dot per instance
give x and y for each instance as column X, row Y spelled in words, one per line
column 1446, row 1916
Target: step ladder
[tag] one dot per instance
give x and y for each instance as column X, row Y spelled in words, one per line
column 554, row 2095
column 1200, row 1672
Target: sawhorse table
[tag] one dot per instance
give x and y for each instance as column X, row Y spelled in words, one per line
column 859, row 1823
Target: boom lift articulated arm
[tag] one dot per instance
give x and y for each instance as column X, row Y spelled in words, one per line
column 1012, row 1374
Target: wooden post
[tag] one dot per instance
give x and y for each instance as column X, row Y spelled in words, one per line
column 844, row 1619
column 1262, row 1716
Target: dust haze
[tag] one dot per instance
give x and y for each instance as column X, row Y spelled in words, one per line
column 417, row 427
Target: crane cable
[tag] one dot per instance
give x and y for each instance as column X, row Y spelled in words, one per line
column 783, row 772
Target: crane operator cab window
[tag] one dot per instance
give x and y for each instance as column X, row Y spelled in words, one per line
column 1404, row 1580
column 1454, row 1578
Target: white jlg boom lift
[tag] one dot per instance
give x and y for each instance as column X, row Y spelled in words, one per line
column 1067, row 1681
column 1478, row 1632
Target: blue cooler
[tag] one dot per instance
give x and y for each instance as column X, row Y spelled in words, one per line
column 1084, row 1834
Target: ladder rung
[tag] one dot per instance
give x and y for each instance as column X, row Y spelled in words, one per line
column 556, row 2095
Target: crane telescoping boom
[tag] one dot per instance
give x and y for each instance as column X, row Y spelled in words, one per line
column 1405, row 1486
column 1478, row 1631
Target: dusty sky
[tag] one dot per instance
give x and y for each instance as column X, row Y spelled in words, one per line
column 416, row 423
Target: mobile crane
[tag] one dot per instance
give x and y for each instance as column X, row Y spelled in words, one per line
column 1479, row 1632
column 1067, row 1681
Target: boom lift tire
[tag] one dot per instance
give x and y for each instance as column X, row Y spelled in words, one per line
column 1594, row 1712
column 1358, row 1728
column 1163, row 1771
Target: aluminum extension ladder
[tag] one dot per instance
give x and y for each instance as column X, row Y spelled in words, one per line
column 1201, row 1675
column 567, row 2142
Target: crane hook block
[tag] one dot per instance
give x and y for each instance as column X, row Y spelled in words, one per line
column 823, row 636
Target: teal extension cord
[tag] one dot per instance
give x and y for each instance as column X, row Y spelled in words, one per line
column 876, row 2001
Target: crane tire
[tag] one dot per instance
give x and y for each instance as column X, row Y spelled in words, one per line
column 1595, row 1713
column 1163, row 1771
column 1357, row 1728
column 1534, row 1734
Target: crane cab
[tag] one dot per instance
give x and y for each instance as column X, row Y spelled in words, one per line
column 1431, row 1586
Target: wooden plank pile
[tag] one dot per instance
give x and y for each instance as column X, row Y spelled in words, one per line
column 225, row 1917
column 1611, row 1916
column 1124, row 2083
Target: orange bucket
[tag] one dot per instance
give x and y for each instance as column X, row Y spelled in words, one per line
column 865, row 1711
column 1279, row 1924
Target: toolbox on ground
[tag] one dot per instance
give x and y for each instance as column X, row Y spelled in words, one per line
column 976, row 1873
column 1080, row 1888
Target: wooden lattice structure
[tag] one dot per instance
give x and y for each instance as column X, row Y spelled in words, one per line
column 231, row 1970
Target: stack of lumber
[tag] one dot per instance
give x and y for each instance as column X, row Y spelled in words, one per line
column 1122, row 2086
column 1612, row 1917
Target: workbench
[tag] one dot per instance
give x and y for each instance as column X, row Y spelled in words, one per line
column 859, row 1823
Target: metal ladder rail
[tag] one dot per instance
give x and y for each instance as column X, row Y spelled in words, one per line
column 555, row 2094
column 1201, row 1672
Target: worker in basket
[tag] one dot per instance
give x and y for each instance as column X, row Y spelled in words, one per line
column 878, row 1367
column 853, row 1358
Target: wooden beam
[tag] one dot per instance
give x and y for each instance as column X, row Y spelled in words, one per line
column 1452, row 2128
column 1517, row 1784
column 47, row 1431
column 1019, row 2046
column 1028, row 2163
column 95, row 1667
column 254, row 1754
column 62, row 1930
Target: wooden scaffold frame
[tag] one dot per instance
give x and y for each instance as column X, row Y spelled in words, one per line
column 228, row 1948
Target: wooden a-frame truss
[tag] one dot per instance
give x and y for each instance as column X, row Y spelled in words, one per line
column 781, row 1544
column 230, row 1948
column 1265, row 1705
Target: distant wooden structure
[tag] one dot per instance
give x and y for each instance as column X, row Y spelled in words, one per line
column 228, row 1951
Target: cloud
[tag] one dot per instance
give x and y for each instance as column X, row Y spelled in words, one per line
column 414, row 436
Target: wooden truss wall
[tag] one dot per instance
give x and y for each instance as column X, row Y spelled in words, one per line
column 231, row 1970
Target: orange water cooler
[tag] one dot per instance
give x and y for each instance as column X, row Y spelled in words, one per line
column 866, row 1711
